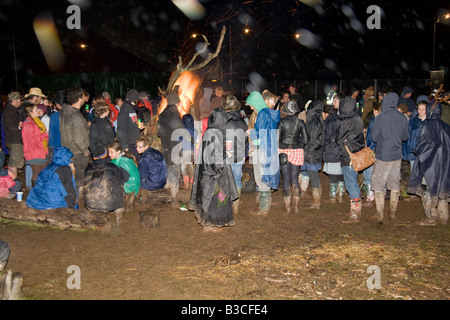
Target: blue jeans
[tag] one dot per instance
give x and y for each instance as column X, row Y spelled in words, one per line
column 351, row 182
column 237, row 173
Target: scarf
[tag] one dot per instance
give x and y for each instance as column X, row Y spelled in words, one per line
column 42, row 128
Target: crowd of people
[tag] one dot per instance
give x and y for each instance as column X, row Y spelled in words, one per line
column 76, row 149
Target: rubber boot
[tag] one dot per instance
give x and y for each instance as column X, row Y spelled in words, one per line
column 119, row 215
column 429, row 220
column 264, row 204
column 379, row 202
column 236, row 202
column 185, row 183
column 355, row 211
column 370, row 199
column 317, row 195
column 442, row 210
column 393, row 204
column 129, row 201
column 296, row 199
column 304, row 181
column 174, row 195
column 333, row 192
column 287, row 200
column 340, row 191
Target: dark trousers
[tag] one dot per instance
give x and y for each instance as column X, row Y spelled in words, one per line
column 80, row 162
column 290, row 176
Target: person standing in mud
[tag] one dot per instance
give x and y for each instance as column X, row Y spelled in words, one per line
column 430, row 173
column 214, row 188
column 168, row 121
column 351, row 135
column 389, row 132
column 75, row 133
column 265, row 150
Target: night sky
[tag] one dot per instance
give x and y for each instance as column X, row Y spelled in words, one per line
column 149, row 35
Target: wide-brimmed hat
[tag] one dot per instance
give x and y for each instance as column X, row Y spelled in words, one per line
column 35, row 92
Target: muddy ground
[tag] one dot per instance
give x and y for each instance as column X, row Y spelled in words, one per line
column 310, row 255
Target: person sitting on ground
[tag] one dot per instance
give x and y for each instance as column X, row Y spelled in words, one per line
column 152, row 166
column 103, row 187
column 9, row 184
column 126, row 162
column 55, row 186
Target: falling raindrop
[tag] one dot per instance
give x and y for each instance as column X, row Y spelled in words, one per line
column 308, row 39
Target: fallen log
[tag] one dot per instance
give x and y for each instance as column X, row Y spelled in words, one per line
column 65, row 218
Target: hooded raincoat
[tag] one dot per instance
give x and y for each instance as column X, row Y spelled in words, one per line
column 55, row 186
column 265, row 136
column 432, row 157
column 214, row 188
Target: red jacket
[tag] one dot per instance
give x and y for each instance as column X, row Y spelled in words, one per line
column 6, row 182
column 146, row 103
column 33, row 141
column 113, row 109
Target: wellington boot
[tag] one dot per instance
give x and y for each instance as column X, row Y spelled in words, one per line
column 236, row 202
column 317, row 195
column 186, row 184
column 287, row 204
column 304, row 181
column 119, row 214
column 340, row 191
column 379, row 202
column 355, row 211
column 264, row 204
column 129, row 201
column 442, row 210
column 296, row 199
column 393, row 204
column 333, row 192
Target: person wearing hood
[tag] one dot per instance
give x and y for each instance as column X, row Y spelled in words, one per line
column 265, row 158
column 214, row 188
column 430, row 175
column 405, row 97
column 55, row 186
column 187, row 162
column 127, row 122
column 332, row 151
column 389, row 131
column 315, row 129
column 168, row 121
column 351, row 135
column 236, row 143
column 292, row 141
column 104, row 187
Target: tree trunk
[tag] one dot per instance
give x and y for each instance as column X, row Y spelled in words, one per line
column 11, row 285
column 64, row 218
column 149, row 219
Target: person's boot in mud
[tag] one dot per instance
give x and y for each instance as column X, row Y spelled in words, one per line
column 355, row 211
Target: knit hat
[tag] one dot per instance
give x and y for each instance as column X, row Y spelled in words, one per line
column 291, row 107
column 35, row 92
column 173, row 98
column 42, row 107
column 143, row 94
column 132, row 95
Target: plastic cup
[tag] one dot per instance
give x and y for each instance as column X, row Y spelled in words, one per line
column 19, row 196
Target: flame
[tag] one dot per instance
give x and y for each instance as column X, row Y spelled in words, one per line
column 188, row 83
